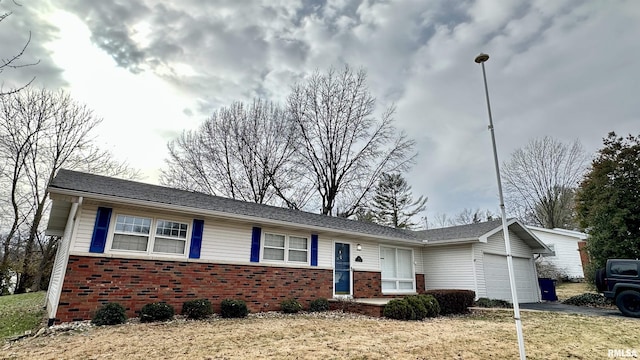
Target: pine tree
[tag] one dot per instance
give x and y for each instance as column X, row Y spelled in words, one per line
column 393, row 203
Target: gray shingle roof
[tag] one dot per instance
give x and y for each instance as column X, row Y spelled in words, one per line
column 102, row 185
column 470, row 231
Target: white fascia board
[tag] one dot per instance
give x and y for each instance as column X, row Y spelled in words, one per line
column 450, row 242
column 220, row 214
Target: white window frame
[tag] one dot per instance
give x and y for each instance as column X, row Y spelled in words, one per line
column 397, row 280
column 152, row 235
column 286, row 248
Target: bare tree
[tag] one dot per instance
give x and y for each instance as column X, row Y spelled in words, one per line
column 441, row 220
column 15, row 61
column 242, row 152
column 470, row 216
column 540, row 181
column 342, row 148
column 41, row 132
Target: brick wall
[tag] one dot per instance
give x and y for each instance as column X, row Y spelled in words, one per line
column 584, row 255
column 92, row 281
column 367, row 284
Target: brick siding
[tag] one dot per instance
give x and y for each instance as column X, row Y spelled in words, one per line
column 368, row 284
column 92, row 281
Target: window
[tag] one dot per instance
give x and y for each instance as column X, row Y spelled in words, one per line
column 285, row 248
column 624, row 268
column 397, row 270
column 133, row 233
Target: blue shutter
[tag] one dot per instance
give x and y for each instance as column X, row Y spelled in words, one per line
column 196, row 239
column 314, row 250
column 255, row 244
column 100, row 230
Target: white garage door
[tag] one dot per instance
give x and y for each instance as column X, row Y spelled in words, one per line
column 496, row 277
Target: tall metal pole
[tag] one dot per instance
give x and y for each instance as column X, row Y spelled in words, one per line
column 480, row 59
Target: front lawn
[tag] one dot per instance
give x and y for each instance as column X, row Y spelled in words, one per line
column 566, row 290
column 481, row 335
column 19, row 313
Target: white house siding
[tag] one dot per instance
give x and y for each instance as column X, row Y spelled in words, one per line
column 448, row 267
column 495, row 246
column 81, row 240
column 229, row 241
column 567, row 258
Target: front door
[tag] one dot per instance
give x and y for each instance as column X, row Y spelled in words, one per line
column 342, row 272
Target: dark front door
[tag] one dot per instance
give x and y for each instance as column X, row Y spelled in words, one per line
column 342, row 272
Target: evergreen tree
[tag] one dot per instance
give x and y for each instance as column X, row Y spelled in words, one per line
column 608, row 201
column 393, row 203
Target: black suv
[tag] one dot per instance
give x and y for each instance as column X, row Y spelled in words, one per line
column 620, row 281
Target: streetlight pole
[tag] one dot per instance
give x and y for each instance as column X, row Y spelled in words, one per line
column 480, row 59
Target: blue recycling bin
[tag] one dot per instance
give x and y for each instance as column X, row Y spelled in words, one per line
column 548, row 289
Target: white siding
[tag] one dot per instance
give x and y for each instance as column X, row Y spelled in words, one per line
column 448, row 267
column 81, row 240
column 495, row 245
column 567, row 258
column 226, row 241
column 60, row 264
column 230, row 241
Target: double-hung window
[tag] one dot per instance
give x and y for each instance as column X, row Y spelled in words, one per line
column 285, row 248
column 397, row 270
column 136, row 233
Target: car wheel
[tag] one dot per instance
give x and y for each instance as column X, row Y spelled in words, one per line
column 628, row 302
column 600, row 285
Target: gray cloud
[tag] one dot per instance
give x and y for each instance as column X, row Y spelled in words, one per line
column 564, row 68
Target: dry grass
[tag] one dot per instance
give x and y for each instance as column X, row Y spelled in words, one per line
column 568, row 289
column 482, row 335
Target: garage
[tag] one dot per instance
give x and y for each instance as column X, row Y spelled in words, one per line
column 496, row 275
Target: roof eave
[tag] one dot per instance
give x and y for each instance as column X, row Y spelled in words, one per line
column 220, row 214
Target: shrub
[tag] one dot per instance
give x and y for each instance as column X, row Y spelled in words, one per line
column 110, row 314
column 290, row 306
column 398, row 309
column 453, row 301
column 320, row 304
column 419, row 310
column 197, row 309
column 431, row 304
column 493, row 303
column 233, row 308
column 159, row 311
column 588, row 299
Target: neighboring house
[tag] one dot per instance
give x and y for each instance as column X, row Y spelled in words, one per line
column 135, row 243
column 565, row 245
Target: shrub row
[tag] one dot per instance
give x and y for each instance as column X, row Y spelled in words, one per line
column 414, row 307
column 453, row 301
column 493, row 303
column 114, row 313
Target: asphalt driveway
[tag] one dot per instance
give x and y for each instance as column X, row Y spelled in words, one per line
column 570, row 309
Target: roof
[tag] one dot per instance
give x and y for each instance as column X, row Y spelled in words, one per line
column 74, row 183
column 576, row 235
column 481, row 232
column 460, row 232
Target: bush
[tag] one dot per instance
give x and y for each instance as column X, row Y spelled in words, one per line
column 110, row 314
column 588, row 299
column 453, row 301
column 159, row 311
column 431, row 304
column 419, row 310
column 290, row 306
column 233, row 309
column 493, row 303
column 197, row 309
column 398, row 309
column 320, row 304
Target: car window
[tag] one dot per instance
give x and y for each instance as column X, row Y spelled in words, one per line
column 624, row 268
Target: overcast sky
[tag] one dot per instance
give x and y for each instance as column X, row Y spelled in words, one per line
column 149, row 69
